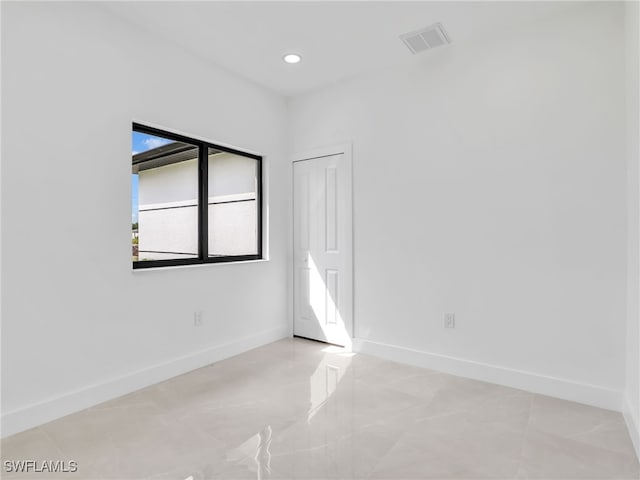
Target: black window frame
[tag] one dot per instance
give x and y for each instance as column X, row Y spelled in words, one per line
column 203, row 202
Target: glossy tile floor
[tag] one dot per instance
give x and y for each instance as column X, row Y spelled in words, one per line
column 301, row 409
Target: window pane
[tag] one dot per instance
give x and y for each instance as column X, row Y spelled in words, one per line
column 233, row 204
column 164, row 198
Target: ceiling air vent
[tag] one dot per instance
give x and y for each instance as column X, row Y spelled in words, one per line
column 426, row 38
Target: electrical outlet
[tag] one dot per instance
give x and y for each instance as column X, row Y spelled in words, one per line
column 449, row 320
column 197, row 319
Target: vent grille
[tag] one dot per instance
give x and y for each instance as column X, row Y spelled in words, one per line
column 426, row 38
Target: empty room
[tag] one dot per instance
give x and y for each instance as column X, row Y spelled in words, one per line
column 320, row 240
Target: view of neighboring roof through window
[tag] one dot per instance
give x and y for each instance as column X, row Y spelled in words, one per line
column 172, row 223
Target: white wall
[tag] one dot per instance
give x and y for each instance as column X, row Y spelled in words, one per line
column 489, row 181
column 631, row 406
column 78, row 325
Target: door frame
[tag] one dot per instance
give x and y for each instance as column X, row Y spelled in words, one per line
column 344, row 149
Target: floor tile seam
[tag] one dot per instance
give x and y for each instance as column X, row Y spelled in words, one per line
column 218, row 406
column 395, row 390
column 408, row 376
column 525, row 433
column 99, row 408
column 595, row 447
column 582, row 442
column 355, row 431
column 592, row 429
column 602, row 447
column 575, row 437
column 381, row 458
column 52, row 440
column 418, row 419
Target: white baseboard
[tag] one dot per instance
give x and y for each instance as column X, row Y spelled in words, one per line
column 632, row 420
column 42, row 412
column 594, row 395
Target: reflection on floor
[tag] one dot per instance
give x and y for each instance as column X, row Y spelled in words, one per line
column 301, row 409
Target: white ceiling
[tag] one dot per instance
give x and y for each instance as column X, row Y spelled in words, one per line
column 337, row 40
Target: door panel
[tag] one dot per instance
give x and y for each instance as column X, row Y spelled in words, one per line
column 331, row 205
column 322, row 249
column 332, row 302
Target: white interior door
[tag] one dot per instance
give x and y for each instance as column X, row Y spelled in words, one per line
column 323, row 285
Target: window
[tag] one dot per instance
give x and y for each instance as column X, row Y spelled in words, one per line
column 192, row 201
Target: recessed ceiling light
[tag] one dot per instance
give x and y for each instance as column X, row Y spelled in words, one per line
column 292, row 58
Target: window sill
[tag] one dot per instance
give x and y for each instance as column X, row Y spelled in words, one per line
column 197, row 265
